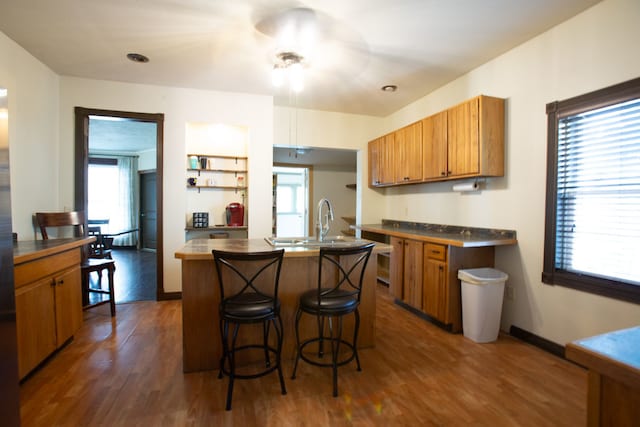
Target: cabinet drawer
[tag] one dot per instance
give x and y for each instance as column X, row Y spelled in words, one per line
column 434, row 251
column 34, row 270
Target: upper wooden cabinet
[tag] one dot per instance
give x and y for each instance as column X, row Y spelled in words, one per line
column 464, row 141
column 434, row 146
column 381, row 163
column 407, row 154
column 475, row 138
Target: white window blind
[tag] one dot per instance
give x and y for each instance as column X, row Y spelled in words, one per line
column 598, row 193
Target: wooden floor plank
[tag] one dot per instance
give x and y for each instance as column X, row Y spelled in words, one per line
column 128, row 371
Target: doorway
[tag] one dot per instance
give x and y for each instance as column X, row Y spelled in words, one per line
column 291, row 200
column 118, row 133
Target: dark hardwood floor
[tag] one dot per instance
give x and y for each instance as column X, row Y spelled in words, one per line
column 127, row 371
column 135, row 276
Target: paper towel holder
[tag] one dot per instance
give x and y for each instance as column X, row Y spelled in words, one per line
column 467, row 187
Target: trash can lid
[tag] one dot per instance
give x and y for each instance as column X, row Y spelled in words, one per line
column 480, row 276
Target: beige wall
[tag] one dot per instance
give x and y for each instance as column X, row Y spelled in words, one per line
column 331, row 184
column 180, row 106
column 33, row 135
column 335, row 130
column 593, row 50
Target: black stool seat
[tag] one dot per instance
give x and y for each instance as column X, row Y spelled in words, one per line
column 249, row 293
column 250, row 307
column 340, row 278
column 340, row 302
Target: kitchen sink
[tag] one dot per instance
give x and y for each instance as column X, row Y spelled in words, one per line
column 335, row 241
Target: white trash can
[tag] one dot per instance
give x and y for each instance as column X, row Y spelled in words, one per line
column 482, row 292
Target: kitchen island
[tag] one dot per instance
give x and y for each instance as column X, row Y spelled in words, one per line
column 201, row 344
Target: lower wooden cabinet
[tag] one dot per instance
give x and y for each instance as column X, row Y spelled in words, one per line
column 406, row 271
column 434, row 294
column 48, row 306
column 424, row 275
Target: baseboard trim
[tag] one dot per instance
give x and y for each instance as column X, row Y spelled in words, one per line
column 533, row 339
column 423, row 315
column 166, row 296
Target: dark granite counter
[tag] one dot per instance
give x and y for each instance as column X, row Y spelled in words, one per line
column 443, row 234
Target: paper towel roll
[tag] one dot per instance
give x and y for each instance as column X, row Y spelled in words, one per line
column 468, row 186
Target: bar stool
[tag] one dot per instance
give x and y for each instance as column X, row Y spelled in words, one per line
column 340, row 278
column 249, row 295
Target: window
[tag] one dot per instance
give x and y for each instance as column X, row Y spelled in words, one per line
column 592, row 234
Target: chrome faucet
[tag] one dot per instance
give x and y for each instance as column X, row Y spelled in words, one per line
column 322, row 228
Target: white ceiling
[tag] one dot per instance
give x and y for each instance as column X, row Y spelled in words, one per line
column 418, row 45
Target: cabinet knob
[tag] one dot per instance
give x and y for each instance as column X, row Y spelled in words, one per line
column 443, row 173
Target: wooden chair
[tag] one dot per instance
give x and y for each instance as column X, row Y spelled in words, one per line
column 89, row 264
column 99, row 248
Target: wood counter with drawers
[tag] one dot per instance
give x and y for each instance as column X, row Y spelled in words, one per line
column 48, row 296
column 424, row 264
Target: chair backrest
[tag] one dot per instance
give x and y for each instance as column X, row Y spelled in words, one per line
column 60, row 219
column 341, row 270
column 97, row 249
column 241, row 274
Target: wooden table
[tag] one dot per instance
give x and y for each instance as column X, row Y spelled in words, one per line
column 201, row 343
column 613, row 360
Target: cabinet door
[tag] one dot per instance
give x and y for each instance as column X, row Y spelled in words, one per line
column 434, row 146
column 374, row 162
column 434, row 298
column 408, row 154
column 396, row 268
column 68, row 296
column 463, row 139
column 381, row 161
column 35, row 324
column 386, row 162
column 413, row 272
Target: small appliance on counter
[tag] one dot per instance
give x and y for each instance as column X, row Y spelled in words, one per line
column 200, row 219
column 235, row 214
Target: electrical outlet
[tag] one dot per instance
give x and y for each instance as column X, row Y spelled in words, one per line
column 509, row 293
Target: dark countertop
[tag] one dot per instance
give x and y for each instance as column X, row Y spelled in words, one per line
column 443, row 234
column 28, row 250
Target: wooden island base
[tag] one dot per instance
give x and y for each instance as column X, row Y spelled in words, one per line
column 200, row 299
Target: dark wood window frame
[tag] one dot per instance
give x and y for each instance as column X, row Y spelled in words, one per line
column 556, row 110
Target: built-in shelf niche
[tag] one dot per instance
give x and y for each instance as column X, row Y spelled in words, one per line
column 217, row 183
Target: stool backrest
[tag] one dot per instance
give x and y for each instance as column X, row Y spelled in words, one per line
column 240, row 274
column 60, row 219
column 341, row 271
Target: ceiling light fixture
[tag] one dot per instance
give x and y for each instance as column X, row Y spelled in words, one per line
column 289, row 68
column 389, row 88
column 137, row 57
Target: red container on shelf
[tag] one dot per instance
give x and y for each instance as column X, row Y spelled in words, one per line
column 235, row 215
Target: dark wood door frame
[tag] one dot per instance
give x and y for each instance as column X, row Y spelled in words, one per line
column 82, row 164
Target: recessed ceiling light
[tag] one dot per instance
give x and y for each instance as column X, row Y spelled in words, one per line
column 136, row 57
column 389, row 88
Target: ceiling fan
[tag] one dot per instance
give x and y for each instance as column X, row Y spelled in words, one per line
column 309, row 39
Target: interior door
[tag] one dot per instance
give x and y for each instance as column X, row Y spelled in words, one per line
column 148, row 214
